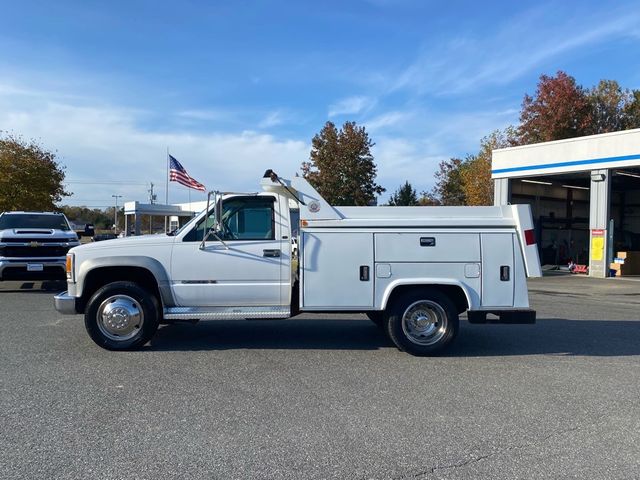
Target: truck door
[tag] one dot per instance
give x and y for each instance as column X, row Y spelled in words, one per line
column 244, row 268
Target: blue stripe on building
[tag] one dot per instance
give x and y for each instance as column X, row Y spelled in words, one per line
column 568, row 164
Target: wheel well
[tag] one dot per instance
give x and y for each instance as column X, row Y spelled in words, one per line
column 454, row 292
column 101, row 276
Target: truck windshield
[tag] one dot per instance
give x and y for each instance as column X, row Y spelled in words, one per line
column 33, row 220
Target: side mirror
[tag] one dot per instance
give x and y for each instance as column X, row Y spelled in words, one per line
column 217, row 214
column 213, row 230
column 209, row 229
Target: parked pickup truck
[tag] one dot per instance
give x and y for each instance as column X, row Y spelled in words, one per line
column 412, row 270
column 33, row 245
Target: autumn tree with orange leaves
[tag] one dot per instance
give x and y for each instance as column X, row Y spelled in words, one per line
column 559, row 109
column 32, row 178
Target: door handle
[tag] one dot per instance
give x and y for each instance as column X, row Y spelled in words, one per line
column 271, row 253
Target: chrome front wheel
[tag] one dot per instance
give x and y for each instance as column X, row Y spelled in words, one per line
column 120, row 318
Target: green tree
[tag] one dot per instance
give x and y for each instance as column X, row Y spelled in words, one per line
column 405, row 195
column 475, row 173
column 101, row 219
column 31, row 177
column 632, row 110
column 559, row 109
column 448, row 189
column 468, row 181
column 341, row 165
column 428, row 200
column 608, row 107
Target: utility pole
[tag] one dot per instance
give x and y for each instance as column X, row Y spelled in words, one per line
column 152, row 199
column 115, row 214
column 152, row 196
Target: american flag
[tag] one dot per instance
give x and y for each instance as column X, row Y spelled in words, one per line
column 177, row 173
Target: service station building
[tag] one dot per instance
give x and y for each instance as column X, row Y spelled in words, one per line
column 584, row 194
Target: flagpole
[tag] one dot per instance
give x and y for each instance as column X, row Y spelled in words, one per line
column 166, row 195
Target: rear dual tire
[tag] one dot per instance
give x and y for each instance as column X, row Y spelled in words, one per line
column 422, row 323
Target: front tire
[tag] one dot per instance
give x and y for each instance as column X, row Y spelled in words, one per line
column 122, row 316
column 422, row 323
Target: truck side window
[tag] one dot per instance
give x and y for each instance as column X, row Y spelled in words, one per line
column 243, row 218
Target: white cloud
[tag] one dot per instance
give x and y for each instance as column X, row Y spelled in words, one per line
column 401, row 159
column 106, row 144
column 518, row 46
column 351, row 106
column 387, row 120
column 423, row 140
column 273, row 119
column 203, row 114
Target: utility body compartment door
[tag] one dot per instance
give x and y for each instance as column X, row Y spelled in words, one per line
column 337, row 270
column 497, row 269
column 427, row 247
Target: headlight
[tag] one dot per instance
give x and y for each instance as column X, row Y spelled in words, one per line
column 69, row 267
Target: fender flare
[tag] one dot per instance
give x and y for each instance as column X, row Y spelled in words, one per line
column 139, row 261
column 473, row 299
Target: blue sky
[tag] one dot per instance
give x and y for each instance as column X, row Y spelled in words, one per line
column 233, row 88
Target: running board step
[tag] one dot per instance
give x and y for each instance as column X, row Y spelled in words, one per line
column 224, row 313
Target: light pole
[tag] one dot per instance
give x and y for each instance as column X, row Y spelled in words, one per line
column 115, row 214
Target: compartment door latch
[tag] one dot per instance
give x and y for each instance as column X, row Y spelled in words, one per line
column 364, row 273
column 504, row 273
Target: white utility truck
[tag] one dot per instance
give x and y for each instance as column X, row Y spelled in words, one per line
column 412, row 270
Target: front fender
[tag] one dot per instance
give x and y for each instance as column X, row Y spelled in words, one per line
column 151, row 264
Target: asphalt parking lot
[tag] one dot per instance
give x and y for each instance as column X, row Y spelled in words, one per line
column 326, row 396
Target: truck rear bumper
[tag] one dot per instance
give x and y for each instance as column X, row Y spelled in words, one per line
column 504, row 316
column 65, row 303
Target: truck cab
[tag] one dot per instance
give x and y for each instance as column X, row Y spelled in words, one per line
column 412, row 270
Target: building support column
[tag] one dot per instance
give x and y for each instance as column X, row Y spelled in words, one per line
column 501, row 191
column 599, row 212
column 137, row 222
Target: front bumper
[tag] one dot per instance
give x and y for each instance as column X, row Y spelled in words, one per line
column 65, row 303
column 17, row 268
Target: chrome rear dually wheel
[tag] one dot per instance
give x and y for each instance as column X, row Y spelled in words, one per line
column 422, row 322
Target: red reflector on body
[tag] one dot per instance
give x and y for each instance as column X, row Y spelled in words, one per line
column 529, row 237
